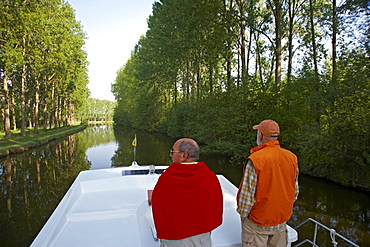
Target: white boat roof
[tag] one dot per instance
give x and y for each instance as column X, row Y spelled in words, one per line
column 109, row 207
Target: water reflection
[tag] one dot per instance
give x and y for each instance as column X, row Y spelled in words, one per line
column 33, row 183
column 335, row 206
column 101, row 155
column 150, row 148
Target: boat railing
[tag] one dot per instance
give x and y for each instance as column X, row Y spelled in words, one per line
column 333, row 234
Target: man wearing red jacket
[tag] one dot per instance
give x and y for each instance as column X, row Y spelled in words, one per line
column 268, row 189
column 187, row 200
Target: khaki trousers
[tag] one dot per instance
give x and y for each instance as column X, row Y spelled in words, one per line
column 252, row 236
column 203, row 240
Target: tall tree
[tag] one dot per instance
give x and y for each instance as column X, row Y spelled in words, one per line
column 220, row 65
column 276, row 8
column 313, row 40
column 41, row 61
column 334, row 41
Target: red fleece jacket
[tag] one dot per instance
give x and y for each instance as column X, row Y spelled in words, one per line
column 187, row 201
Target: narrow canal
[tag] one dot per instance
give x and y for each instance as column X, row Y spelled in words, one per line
column 33, row 183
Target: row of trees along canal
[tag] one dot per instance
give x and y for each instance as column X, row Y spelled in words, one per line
column 43, row 68
column 212, row 69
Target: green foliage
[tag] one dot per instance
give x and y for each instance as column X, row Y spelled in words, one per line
column 339, row 143
column 96, row 110
column 43, row 68
column 208, row 70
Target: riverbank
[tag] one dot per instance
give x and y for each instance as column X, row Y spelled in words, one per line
column 100, row 123
column 18, row 143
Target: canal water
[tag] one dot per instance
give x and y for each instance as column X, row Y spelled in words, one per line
column 33, row 183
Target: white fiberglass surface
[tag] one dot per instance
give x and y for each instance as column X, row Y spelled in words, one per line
column 108, row 209
column 104, row 201
column 101, row 232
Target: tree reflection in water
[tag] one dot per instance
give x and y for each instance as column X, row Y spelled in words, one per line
column 345, row 210
column 33, row 183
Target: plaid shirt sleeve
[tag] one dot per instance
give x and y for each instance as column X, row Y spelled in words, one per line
column 296, row 193
column 246, row 196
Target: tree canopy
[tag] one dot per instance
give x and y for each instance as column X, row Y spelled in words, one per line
column 212, row 69
column 43, row 68
column 96, row 110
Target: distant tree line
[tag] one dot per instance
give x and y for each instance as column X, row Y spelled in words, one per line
column 96, row 110
column 212, row 69
column 43, row 68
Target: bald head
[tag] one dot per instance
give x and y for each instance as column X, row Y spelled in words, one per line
column 188, row 150
column 190, row 147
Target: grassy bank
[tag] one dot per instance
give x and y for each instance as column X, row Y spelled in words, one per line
column 18, row 143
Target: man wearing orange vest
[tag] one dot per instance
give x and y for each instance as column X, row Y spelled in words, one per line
column 268, row 189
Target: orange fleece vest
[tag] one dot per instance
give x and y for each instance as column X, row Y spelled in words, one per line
column 276, row 172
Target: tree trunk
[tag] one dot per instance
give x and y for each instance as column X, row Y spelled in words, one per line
column 278, row 48
column 6, row 105
column 292, row 5
column 45, row 115
column 242, row 47
column 334, row 42
column 23, row 100
column 313, row 39
column 211, row 79
column 37, row 102
column 53, row 107
column 259, row 65
column 12, row 109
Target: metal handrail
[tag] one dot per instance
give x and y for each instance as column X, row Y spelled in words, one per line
column 332, row 231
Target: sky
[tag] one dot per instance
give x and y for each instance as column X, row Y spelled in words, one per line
column 113, row 29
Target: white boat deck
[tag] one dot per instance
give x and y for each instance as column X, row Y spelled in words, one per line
column 104, row 208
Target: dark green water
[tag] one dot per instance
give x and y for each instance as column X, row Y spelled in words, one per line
column 33, row 183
